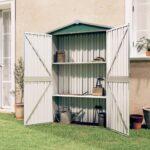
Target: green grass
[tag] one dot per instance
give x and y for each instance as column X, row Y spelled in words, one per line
column 15, row 136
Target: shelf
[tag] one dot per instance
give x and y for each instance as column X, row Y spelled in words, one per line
column 140, row 59
column 76, row 63
column 79, row 96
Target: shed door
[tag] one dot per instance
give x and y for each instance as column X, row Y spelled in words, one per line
column 118, row 79
column 38, row 86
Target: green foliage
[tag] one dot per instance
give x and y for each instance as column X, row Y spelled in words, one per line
column 143, row 43
column 15, row 136
column 19, row 76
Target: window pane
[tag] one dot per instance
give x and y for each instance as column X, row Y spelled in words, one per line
column 1, row 37
column 141, row 33
column 6, row 22
column 142, row 16
column 142, row 1
column 6, row 70
column 6, row 51
column 6, row 94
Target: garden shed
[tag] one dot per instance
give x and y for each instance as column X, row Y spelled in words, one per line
column 89, row 53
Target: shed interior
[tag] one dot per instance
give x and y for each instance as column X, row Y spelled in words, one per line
column 74, row 79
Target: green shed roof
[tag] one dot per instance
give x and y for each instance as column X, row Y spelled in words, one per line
column 79, row 27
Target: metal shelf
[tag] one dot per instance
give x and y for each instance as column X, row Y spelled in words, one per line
column 78, row 63
column 79, row 96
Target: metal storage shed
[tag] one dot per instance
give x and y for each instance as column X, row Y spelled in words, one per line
column 50, row 84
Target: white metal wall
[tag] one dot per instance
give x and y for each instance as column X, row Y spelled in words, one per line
column 82, row 47
column 78, row 79
column 38, row 71
column 117, row 79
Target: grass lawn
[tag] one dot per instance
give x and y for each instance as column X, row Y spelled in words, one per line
column 15, row 136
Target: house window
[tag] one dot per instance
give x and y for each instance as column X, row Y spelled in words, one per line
column 7, row 55
column 141, row 23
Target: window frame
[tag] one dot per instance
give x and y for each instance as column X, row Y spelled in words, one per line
column 11, row 4
column 129, row 18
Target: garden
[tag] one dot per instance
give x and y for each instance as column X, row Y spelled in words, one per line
column 15, row 136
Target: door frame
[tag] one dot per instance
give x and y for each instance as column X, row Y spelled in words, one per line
column 11, row 4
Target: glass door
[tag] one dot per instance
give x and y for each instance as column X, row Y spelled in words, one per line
column 141, row 23
column 6, row 59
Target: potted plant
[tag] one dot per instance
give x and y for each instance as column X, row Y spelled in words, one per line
column 143, row 44
column 19, row 77
column 146, row 111
column 136, row 121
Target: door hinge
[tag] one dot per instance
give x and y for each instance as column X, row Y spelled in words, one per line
column 132, row 8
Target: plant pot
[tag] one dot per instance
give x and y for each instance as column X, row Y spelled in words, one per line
column 147, row 53
column 19, row 111
column 136, row 121
column 61, row 56
column 146, row 112
column 102, row 119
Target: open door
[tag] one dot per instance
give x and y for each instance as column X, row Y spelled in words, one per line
column 118, row 79
column 38, row 85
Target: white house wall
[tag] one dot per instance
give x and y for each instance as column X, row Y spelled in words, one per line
column 42, row 16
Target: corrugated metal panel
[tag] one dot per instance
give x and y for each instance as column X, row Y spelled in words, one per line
column 117, row 83
column 82, row 47
column 80, row 78
column 37, row 94
column 84, row 105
